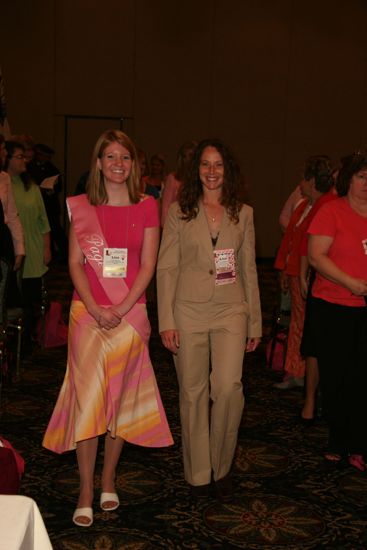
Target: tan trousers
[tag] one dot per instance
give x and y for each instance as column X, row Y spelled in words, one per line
column 210, row 334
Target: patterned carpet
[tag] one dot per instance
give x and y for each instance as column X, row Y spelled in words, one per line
column 286, row 496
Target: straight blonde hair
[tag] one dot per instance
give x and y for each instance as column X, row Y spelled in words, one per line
column 95, row 189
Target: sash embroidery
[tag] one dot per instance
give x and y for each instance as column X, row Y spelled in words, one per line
column 96, row 242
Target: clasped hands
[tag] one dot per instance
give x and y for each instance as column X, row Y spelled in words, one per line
column 109, row 317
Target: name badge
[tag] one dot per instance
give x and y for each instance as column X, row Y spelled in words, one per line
column 114, row 262
column 225, row 266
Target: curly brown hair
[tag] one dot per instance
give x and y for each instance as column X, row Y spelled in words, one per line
column 191, row 190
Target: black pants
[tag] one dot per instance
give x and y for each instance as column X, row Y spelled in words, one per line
column 32, row 298
column 342, row 359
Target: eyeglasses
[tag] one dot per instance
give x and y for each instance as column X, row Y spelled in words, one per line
column 18, row 157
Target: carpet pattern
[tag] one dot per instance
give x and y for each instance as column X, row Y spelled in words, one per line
column 286, row 496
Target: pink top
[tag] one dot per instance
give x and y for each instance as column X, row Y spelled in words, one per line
column 171, row 187
column 11, row 216
column 348, row 250
column 123, row 227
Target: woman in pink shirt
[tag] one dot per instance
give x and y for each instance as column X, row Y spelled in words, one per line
column 174, row 179
column 11, row 216
column 109, row 387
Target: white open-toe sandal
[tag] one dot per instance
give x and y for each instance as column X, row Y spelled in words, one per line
column 109, row 497
column 85, row 513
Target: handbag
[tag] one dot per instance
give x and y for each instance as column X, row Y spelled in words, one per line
column 52, row 331
column 275, row 351
column 11, row 468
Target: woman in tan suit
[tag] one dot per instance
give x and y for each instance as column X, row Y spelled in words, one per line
column 209, row 310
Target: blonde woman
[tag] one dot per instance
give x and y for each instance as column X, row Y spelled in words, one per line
column 109, row 387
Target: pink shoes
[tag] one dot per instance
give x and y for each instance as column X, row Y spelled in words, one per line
column 357, row 461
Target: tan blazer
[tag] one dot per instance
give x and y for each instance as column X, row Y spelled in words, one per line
column 186, row 269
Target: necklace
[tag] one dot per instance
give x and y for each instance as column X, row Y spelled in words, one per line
column 209, row 215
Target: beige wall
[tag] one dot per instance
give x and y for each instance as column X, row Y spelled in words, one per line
column 277, row 79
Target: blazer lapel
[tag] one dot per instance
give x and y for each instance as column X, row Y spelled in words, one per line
column 203, row 230
column 223, row 231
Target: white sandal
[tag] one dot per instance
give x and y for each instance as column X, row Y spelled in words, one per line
column 83, row 512
column 109, row 497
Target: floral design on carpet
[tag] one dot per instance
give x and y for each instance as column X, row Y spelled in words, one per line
column 123, row 539
column 354, row 486
column 252, row 417
column 265, row 519
column 262, row 459
column 23, row 408
column 136, row 482
column 284, row 490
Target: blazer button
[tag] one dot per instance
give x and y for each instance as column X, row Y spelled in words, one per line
column 211, row 272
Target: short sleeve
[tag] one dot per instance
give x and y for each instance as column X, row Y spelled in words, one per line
column 151, row 214
column 324, row 222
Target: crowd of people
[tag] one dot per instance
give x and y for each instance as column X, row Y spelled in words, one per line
column 31, row 233
column 322, row 261
column 25, row 232
column 192, row 228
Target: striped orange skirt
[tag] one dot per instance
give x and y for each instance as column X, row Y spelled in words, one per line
column 109, row 385
column 295, row 364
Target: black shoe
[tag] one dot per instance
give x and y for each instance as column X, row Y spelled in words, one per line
column 200, row 491
column 224, row 488
column 307, row 422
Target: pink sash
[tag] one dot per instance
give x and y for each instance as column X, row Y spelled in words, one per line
column 92, row 241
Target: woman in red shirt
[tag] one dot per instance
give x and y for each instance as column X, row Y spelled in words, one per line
column 338, row 252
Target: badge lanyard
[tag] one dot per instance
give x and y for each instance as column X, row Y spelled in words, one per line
column 115, row 259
